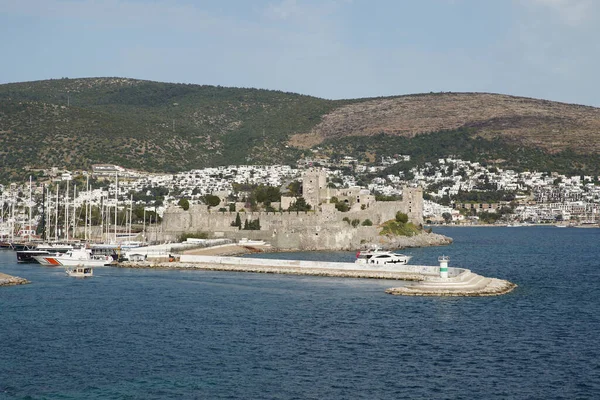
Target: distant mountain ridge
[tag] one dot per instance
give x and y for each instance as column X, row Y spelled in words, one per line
column 154, row 126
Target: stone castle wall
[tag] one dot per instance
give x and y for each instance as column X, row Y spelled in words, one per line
column 323, row 228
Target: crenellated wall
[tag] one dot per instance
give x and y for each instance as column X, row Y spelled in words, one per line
column 320, row 229
column 314, row 230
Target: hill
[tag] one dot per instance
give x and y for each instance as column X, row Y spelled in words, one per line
column 154, row 126
column 548, row 125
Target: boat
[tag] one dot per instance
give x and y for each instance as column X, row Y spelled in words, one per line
column 249, row 242
column 80, row 271
column 20, row 246
column 42, row 249
column 377, row 256
column 27, row 256
column 74, row 257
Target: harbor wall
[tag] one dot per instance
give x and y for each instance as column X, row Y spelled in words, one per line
column 432, row 271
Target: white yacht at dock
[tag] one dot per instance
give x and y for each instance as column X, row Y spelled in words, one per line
column 377, row 256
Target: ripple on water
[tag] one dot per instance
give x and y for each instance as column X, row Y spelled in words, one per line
column 196, row 334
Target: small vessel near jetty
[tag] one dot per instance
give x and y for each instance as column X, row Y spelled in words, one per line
column 80, row 271
column 377, row 256
column 74, row 257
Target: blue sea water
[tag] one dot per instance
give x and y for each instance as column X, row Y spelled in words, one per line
column 157, row 334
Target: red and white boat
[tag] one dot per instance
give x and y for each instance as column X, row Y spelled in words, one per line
column 73, row 258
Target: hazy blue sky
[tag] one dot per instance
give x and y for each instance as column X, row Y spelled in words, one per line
column 330, row 48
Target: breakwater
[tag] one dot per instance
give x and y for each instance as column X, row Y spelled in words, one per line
column 426, row 279
column 9, row 280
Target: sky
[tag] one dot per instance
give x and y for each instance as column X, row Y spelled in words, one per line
column 334, row 49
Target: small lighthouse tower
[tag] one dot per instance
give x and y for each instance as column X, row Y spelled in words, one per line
column 444, row 266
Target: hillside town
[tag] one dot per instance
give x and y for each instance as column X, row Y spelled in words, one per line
column 455, row 191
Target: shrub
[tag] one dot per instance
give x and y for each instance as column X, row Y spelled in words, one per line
column 401, row 217
column 184, row 203
column 367, row 222
column 394, row 228
column 196, row 235
column 342, row 207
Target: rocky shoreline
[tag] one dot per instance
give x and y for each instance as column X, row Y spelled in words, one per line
column 421, row 240
column 9, row 280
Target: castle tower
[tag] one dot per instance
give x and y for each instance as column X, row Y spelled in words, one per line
column 313, row 180
column 413, row 203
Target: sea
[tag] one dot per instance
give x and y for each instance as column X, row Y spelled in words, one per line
column 172, row 334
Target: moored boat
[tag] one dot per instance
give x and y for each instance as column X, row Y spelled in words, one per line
column 378, row 256
column 74, row 257
column 28, row 256
column 42, row 249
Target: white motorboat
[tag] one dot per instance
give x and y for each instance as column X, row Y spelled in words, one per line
column 378, row 256
column 80, row 271
column 74, row 257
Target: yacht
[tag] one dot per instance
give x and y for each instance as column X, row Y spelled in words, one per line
column 378, row 256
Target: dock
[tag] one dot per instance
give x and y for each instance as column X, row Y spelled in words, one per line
column 425, row 280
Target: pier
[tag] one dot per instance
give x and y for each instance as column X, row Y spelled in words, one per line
column 426, row 280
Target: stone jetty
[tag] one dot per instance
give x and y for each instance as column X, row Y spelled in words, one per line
column 8, row 280
column 465, row 284
column 427, row 280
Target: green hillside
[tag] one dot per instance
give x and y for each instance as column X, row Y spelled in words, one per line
column 153, row 126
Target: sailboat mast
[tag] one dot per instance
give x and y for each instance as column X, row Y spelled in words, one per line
column 116, row 202
column 101, row 217
column 74, row 222
column 67, row 212
column 56, row 215
column 12, row 218
column 48, row 220
column 88, row 210
column 130, row 216
column 30, row 222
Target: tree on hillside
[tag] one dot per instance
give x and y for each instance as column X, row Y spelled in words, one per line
column 211, row 200
column 447, row 217
column 266, row 194
column 299, row 205
column 295, row 188
column 184, row 203
column 238, row 221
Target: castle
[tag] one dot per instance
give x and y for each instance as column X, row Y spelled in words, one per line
column 322, row 228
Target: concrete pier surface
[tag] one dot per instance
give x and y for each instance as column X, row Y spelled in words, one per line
column 427, row 281
column 9, row 280
column 466, row 284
